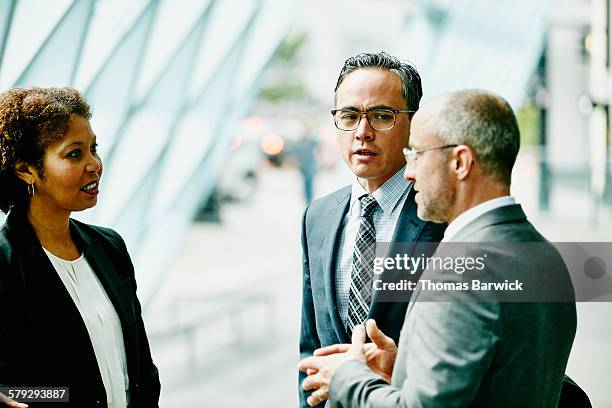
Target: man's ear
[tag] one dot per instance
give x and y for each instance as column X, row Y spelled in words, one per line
column 463, row 161
column 25, row 172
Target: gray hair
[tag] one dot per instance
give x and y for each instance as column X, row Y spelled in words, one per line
column 411, row 80
column 485, row 122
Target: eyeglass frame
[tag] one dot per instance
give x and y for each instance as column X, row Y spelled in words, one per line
column 365, row 113
column 411, row 155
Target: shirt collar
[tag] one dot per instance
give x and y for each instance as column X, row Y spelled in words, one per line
column 470, row 215
column 387, row 196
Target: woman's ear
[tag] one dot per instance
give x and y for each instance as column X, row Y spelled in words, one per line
column 25, row 172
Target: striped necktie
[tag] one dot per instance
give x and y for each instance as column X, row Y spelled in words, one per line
column 360, row 294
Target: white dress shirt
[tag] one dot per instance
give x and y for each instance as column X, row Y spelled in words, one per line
column 470, row 215
column 102, row 322
column 390, row 197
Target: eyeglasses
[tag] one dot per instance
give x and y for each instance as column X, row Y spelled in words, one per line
column 378, row 119
column 412, row 154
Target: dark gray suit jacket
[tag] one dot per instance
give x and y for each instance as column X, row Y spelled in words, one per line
column 477, row 353
column 322, row 226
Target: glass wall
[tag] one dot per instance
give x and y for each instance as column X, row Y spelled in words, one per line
column 168, row 85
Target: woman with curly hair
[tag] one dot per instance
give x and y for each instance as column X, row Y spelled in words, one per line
column 70, row 315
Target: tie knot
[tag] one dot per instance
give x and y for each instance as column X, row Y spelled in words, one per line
column 368, row 205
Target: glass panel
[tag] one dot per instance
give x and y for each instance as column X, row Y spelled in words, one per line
column 145, row 138
column 150, row 129
column 7, row 8
column 55, row 62
column 506, row 38
column 192, row 138
column 272, row 24
column 111, row 91
column 219, row 37
column 167, row 35
column 131, row 219
column 112, row 19
column 23, row 41
column 201, row 142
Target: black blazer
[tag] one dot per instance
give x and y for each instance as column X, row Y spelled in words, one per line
column 43, row 339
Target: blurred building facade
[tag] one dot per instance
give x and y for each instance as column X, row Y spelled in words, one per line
column 169, row 83
column 548, row 58
column 599, row 47
column 573, row 95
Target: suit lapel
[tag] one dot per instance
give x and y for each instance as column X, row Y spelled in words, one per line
column 335, row 221
column 101, row 263
column 41, row 272
column 407, row 229
column 408, row 224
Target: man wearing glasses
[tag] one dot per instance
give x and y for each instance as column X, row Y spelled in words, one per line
column 462, row 348
column 375, row 98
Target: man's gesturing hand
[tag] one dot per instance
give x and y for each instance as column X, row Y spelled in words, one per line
column 381, row 353
column 321, row 368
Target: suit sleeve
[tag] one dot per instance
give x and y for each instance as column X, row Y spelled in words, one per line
column 13, row 331
column 5, row 348
column 309, row 339
column 448, row 349
column 149, row 386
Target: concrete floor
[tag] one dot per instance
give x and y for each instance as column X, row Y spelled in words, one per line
column 255, row 252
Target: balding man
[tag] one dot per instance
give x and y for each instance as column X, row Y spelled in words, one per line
column 468, row 350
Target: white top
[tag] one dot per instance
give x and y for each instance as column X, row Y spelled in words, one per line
column 102, row 322
column 470, row 215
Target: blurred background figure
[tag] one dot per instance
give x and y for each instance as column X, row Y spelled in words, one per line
column 305, row 151
column 196, row 107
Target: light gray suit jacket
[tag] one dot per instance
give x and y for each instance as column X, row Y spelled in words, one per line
column 477, row 353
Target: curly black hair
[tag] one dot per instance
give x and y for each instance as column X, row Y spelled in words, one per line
column 31, row 119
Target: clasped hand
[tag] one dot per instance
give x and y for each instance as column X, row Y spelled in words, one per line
column 9, row 402
column 379, row 355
